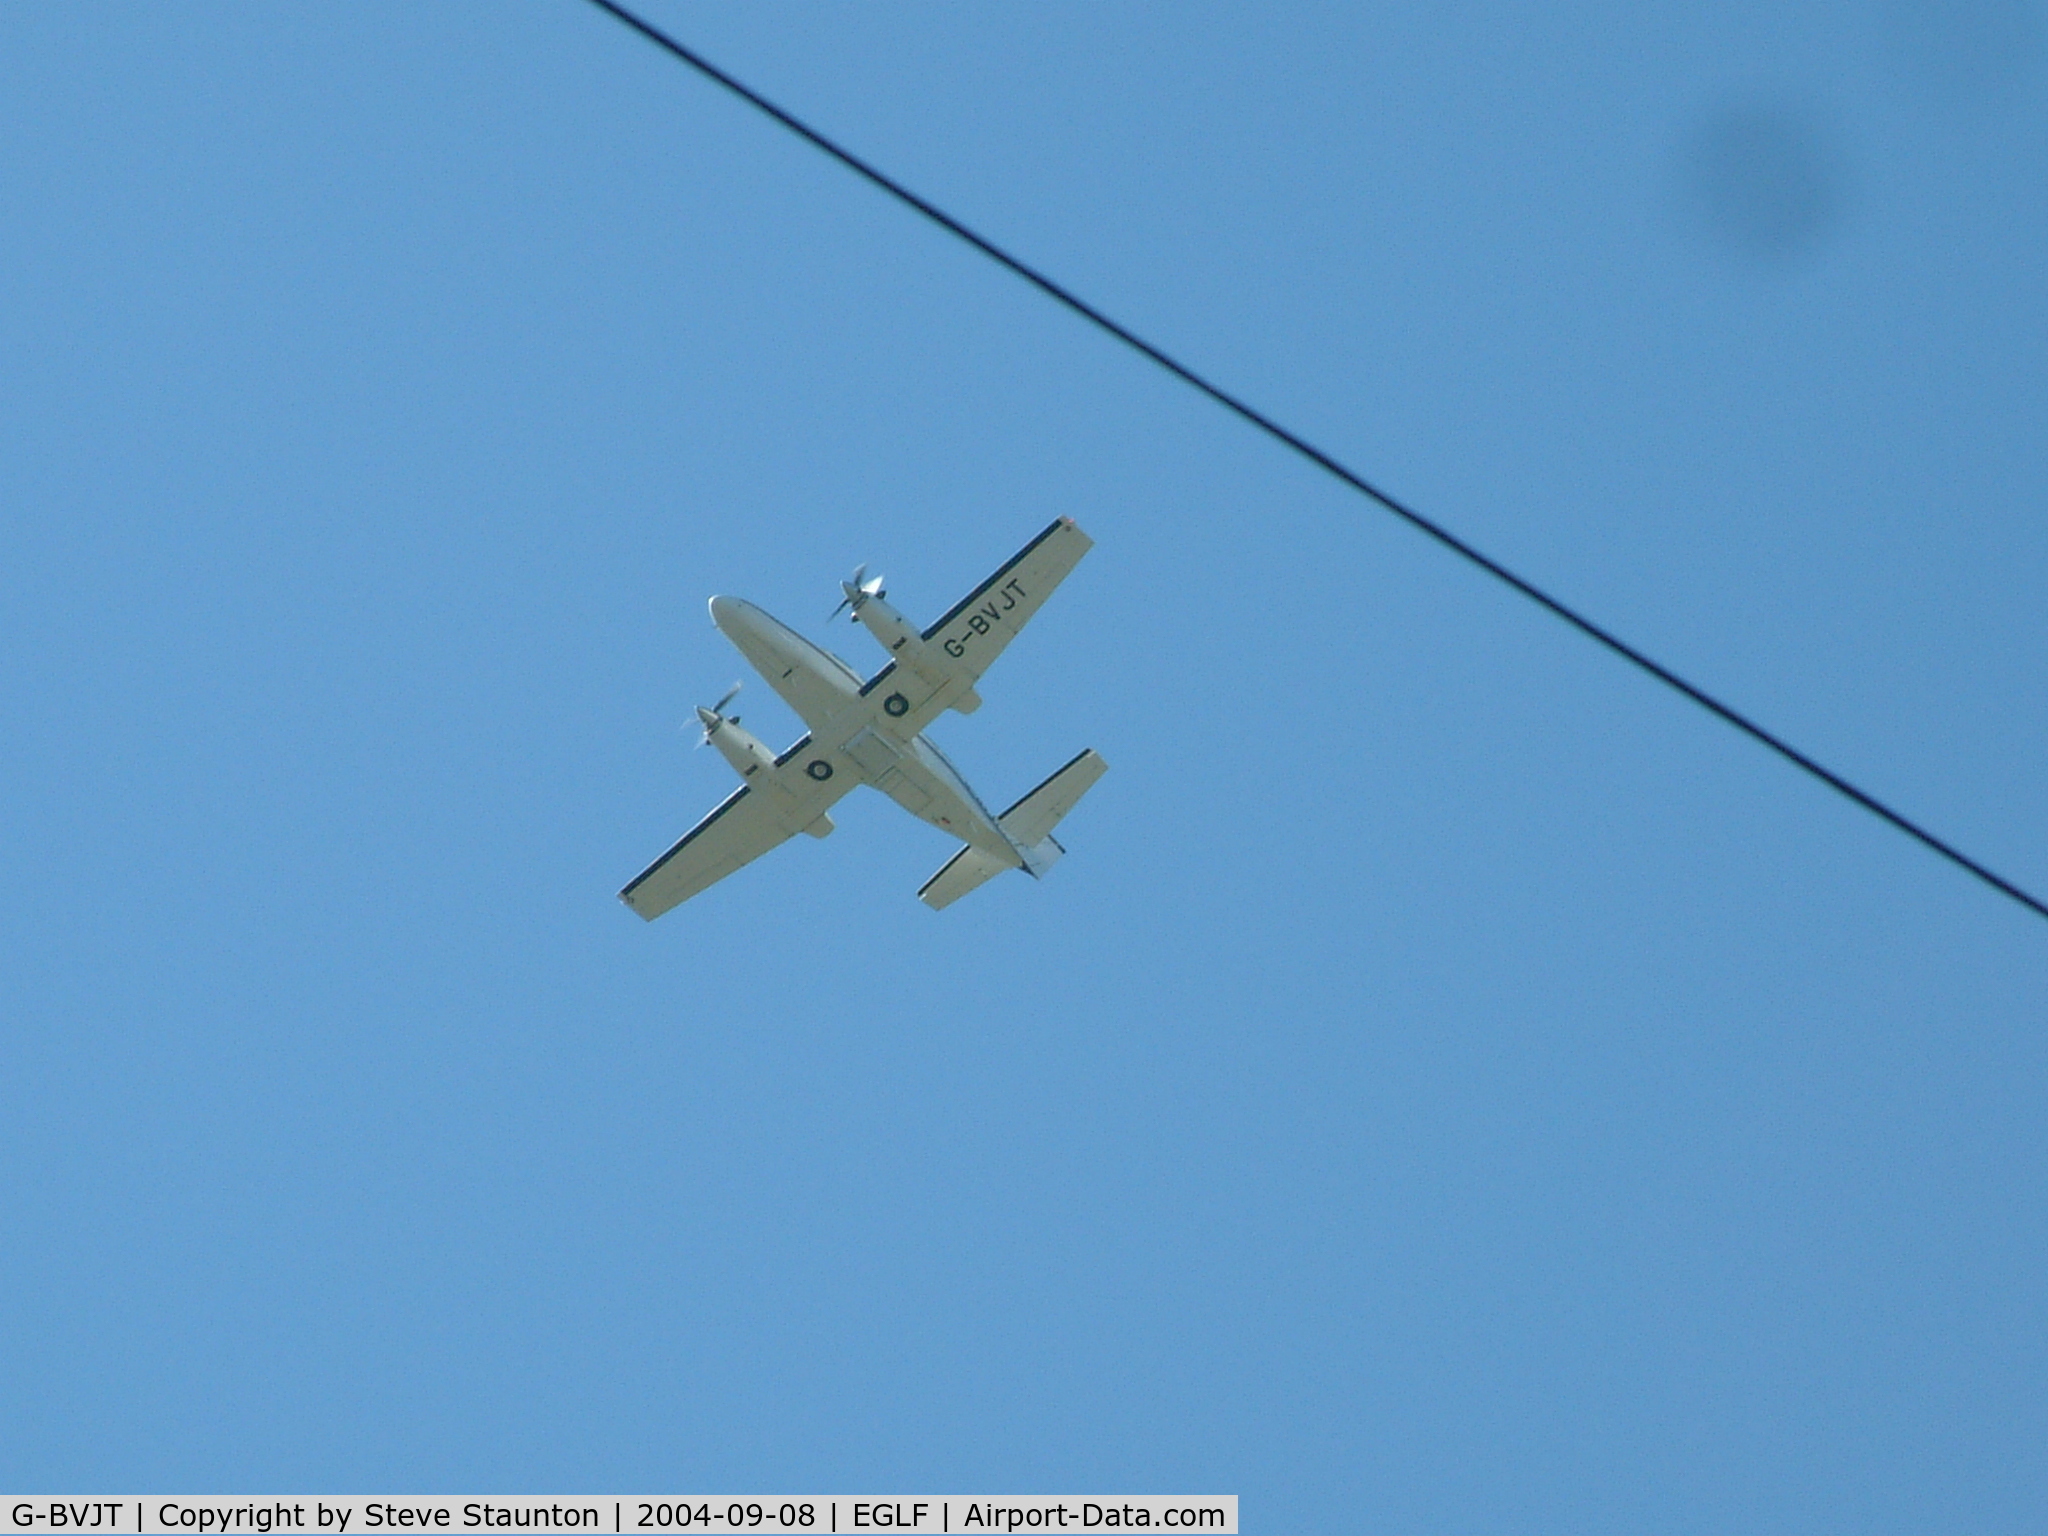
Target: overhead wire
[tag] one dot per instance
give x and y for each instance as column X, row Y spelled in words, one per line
column 1067, row 298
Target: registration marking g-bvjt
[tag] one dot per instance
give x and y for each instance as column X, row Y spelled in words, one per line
column 988, row 615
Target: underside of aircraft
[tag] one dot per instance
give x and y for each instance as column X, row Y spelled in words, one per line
column 872, row 733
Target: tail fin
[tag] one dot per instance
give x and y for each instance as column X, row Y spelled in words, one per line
column 1029, row 822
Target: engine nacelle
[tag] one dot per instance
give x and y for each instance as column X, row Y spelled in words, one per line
column 901, row 639
column 743, row 749
column 898, row 636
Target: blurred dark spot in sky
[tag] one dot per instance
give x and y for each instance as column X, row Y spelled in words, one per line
column 1971, row 52
column 1764, row 179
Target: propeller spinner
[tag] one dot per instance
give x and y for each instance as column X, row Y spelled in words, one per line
column 857, row 591
column 713, row 716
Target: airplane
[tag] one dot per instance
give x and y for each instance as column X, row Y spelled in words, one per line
column 873, row 733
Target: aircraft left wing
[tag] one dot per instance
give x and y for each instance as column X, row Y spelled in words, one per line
column 745, row 826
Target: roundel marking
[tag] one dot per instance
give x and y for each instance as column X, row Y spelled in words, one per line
column 896, row 705
column 818, row 769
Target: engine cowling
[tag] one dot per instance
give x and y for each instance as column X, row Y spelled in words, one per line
column 749, row 757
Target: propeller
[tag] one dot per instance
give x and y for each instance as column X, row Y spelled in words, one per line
column 714, row 716
column 857, row 591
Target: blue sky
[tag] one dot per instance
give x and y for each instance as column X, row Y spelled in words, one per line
column 1451, row 1085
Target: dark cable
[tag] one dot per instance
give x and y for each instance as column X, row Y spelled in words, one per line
column 1317, row 457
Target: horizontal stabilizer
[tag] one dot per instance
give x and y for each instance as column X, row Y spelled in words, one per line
column 963, row 872
column 1029, row 822
column 1033, row 818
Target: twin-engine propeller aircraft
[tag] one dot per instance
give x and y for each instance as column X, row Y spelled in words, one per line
column 873, row 733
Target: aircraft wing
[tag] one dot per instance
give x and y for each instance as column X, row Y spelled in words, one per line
column 745, row 826
column 983, row 622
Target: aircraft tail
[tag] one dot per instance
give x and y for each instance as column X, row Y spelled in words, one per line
column 1029, row 823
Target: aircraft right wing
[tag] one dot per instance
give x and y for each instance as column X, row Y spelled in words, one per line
column 745, row 825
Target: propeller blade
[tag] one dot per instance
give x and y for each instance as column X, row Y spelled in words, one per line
column 730, row 694
column 857, row 591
